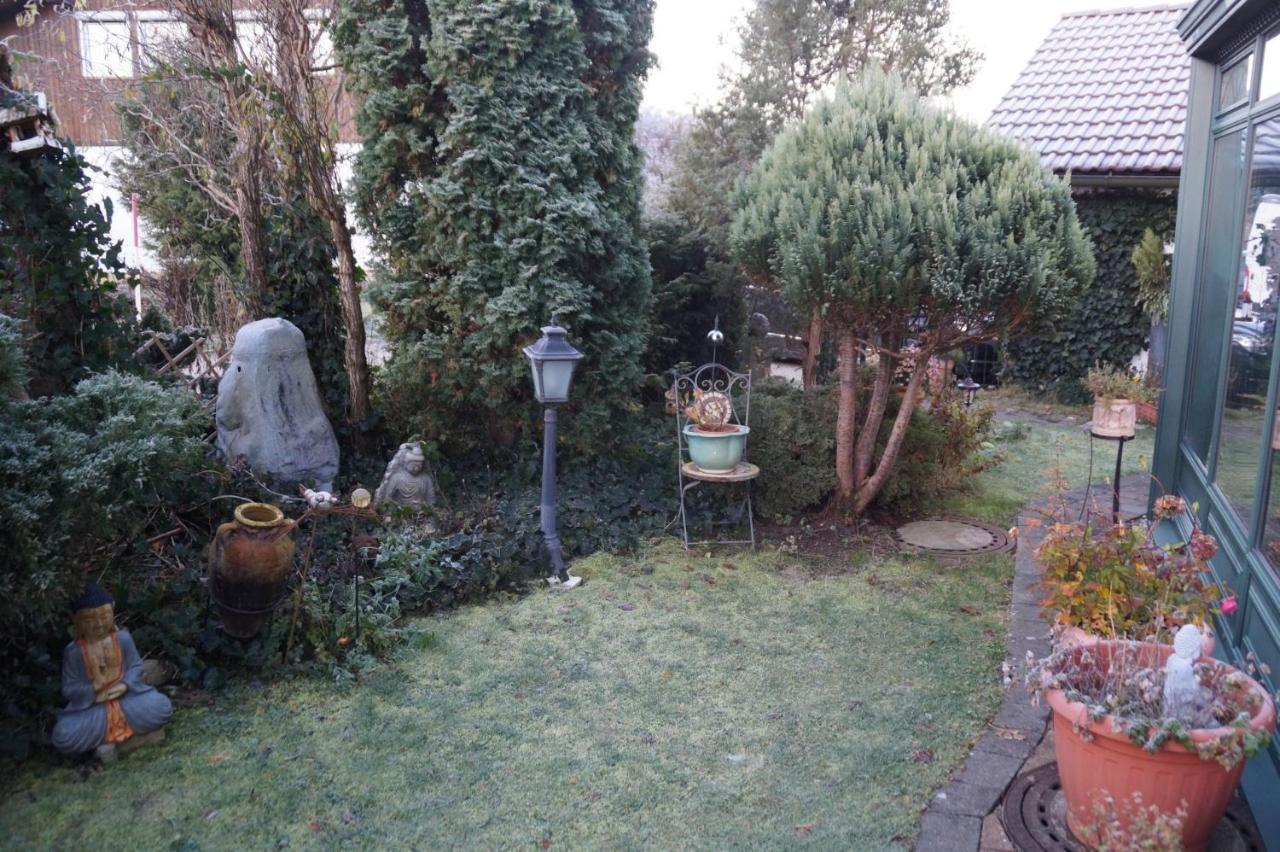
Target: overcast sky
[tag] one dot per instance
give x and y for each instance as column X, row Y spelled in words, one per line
column 694, row 38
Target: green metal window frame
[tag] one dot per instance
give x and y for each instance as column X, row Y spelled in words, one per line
column 1247, row 115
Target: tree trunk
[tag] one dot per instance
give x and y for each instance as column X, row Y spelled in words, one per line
column 253, row 250
column 353, row 357
column 866, row 447
column 846, row 415
column 306, row 124
column 813, row 347
column 869, row 489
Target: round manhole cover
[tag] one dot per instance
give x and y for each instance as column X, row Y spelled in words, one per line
column 952, row 538
column 1034, row 814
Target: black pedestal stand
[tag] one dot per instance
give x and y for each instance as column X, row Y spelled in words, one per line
column 1115, row 480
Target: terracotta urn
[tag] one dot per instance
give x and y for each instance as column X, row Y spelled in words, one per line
column 249, row 564
column 1094, row 757
column 1114, row 418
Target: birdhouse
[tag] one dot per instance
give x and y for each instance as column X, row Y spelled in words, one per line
column 27, row 125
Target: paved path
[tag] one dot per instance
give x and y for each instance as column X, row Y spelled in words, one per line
column 953, row 820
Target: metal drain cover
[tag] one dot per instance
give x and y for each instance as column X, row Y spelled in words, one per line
column 1035, row 818
column 952, row 538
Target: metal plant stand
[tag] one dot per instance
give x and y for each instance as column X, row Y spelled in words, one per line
column 714, row 378
column 1115, row 480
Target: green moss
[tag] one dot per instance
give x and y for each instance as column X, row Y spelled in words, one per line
column 673, row 701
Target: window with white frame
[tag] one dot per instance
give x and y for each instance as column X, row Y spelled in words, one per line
column 157, row 37
column 106, row 49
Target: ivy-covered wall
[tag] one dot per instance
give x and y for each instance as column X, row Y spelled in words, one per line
column 1108, row 327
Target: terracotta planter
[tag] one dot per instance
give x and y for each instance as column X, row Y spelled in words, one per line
column 1109, row 761
column 249, row 563
column 1070, row 636
column 1114, row 418
column 1147, row 412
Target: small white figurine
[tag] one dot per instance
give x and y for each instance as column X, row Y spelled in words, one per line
column 1181, row 690
column 321, row 500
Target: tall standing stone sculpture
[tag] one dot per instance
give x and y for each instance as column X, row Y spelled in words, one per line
column 269, row 408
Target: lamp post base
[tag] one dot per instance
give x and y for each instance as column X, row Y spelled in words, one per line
column 559, row 585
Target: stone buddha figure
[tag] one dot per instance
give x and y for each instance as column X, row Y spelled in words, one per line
column 108, row 703
column 408, row 481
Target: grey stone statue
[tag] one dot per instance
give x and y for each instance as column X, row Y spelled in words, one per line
column 269, row 408
column 408, row 480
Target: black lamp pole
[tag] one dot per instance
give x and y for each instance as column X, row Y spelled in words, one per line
column 550, row 492
column 552, row 361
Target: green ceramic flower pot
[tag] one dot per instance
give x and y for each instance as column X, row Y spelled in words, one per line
column 716, row 451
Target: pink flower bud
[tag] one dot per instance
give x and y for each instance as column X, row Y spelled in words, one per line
column 1228, row 605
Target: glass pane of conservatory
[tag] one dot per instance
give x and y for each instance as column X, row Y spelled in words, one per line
column 1253, row 323
column 1233, row 86
column 1221, row 249
column 1270, row 83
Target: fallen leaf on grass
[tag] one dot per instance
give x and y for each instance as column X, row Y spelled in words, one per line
column 922, row 755
column 710, row 581
column 626, row 607
column 804, row 829
column 774, row 716
column 969, row 610
column 315, row 826
column 217, row 758
column 210, row 814
column 728, row 566
column 666, row 674
column 546, row 843
column 989, row 633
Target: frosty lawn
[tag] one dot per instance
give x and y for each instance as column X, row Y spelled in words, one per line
column 673, row 700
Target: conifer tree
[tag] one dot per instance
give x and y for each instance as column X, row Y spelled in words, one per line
column 913, row 232
column 500, row 182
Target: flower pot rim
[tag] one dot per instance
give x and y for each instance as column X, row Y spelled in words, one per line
column 245, row 515
column 1077, row 713
column 694, row 429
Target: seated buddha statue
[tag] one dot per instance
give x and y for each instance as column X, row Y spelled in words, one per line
column 107, row 700
column 408, row 480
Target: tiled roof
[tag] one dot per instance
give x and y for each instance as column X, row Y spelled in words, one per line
column 1106, row 92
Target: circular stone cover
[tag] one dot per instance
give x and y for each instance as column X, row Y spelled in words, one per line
column 952, row 537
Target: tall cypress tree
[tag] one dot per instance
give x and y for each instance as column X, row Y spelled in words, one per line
column 499, row 179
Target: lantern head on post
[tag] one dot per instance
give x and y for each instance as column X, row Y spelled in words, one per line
column 969, row 388
column 552, row 360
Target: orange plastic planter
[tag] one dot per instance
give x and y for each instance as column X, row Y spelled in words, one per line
column 1111, row 762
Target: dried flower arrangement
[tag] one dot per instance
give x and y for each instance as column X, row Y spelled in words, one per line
column 1125, row 681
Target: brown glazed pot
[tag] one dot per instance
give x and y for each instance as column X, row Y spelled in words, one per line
column 249, row 564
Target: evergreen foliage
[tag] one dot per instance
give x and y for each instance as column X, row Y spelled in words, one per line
column 501, row 184
column 83, row 479
column 790, row 51
column 1107, row 325
column 915, row 233
column 59, row 270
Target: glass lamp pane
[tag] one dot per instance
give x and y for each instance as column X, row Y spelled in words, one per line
column 556, row 376
column 537, row 379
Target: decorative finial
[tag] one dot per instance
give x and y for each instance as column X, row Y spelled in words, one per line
column 715, row 335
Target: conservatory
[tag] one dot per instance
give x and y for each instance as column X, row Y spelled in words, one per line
column 1218, row 442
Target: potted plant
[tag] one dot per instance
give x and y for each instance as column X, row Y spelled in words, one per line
column 1122, row 732
column 1116, row 582
column 1115, row 394
column 715, row 444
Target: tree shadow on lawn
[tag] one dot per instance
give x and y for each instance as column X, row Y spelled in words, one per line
column 703, row 700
